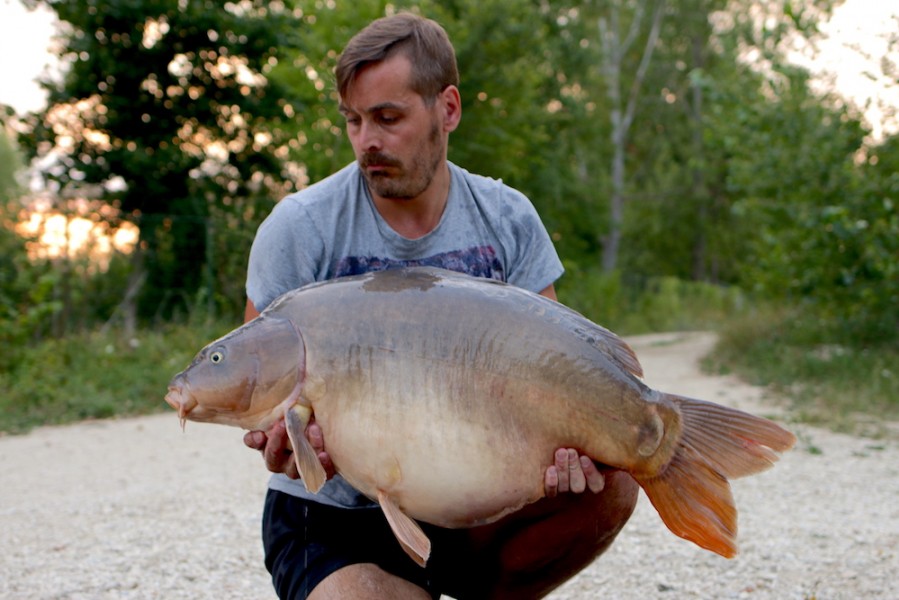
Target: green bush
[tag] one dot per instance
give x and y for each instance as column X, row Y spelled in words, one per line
column 95, row 376
column 644, row 306
column 848, row 386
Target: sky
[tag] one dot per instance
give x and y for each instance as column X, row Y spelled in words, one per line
column 25, row 36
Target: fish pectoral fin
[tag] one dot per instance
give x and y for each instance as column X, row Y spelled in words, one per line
column 311, row 470
column 409, row 534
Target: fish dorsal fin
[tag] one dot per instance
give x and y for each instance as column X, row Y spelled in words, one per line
column 607, row 342
column 615, row 348
column 311, row 470
column 407, row 532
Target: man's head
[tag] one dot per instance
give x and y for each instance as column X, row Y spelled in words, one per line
column 397, row 82
column 422, row 41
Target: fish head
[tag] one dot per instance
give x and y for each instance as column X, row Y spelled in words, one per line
column 242, row 378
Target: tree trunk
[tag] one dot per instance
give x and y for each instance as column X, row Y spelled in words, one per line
column 699, row 191
column 126, row 311
column 622, row 114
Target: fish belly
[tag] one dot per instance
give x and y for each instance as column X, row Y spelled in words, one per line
column 449, row 452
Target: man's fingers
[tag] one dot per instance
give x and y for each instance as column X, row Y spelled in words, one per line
column 255, row 440
column 315, row 437
column 577, row 482
column 551, row 482
column 278, row 455
column 595, row 481
column 562, row 468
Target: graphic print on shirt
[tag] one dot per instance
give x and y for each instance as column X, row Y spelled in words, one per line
column 477, row 261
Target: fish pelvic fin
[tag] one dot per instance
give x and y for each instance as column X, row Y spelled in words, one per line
column 692, row 494
column 311, row 470
column 409, row 534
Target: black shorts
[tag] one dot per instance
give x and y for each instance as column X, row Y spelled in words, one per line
column 305, row 542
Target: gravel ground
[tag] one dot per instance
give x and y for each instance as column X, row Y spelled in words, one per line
column 134, row 508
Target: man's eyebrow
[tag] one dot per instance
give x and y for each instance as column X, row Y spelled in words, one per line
column 344, row 109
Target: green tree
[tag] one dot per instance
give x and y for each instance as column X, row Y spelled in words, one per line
column 26, row 286
column 10, row 164
column 167, row 112
column 708, row 101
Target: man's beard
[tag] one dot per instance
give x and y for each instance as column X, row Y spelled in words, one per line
column 411, row 182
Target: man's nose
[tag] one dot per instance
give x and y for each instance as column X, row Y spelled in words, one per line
column 369, row 137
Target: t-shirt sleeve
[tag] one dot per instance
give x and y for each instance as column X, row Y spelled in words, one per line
column 283, row 254
column 533, row 263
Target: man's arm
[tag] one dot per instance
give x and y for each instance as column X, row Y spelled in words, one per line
column 250, row 312
column 549, row 292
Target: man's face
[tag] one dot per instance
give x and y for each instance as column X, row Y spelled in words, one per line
column 399, row 140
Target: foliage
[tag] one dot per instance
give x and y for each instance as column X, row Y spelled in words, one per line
column 630, row 306
column 850, row 387
column 26, row 303
column 166, row 113
column 10, row 165
column 93, row 375
column 825, row 227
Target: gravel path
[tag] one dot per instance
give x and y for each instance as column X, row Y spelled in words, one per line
column 135, row 509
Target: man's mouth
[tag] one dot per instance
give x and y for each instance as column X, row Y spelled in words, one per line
column 378, row 164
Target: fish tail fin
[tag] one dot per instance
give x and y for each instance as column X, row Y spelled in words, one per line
column 692, row 493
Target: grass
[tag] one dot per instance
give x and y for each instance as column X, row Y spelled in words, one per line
column 94, row 376
column 848, row 387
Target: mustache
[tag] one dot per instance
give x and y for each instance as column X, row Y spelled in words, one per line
column 378, row 158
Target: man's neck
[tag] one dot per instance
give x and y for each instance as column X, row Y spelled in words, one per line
column 414, row 218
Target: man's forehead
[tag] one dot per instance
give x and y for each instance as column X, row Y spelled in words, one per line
column 382, row 85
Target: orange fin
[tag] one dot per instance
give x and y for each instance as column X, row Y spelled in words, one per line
column 692, row 494
column 407, row 532
column 695, row 503
column 733, row 442
column 310, row 468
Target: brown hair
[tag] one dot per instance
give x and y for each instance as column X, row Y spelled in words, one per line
column 422, row 40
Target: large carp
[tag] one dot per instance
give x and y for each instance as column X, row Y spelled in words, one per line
column 416, row 375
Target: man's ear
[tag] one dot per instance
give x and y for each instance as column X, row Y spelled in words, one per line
column 451, row 103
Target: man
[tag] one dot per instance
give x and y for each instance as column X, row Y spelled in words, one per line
column 402, row 203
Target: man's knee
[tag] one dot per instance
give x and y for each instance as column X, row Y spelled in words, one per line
column 618, row 497
column 575, row 530
column 366, row 580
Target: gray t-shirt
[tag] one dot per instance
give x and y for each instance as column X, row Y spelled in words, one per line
column 332, row 229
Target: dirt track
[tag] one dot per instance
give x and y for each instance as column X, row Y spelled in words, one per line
column 133, row 508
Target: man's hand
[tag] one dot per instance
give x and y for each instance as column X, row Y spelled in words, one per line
column 572, row 473
column 275, row 447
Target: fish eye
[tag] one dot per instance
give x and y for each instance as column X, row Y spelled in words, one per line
column 217, row 357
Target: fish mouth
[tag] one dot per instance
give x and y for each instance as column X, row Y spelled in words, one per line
column 177, row 400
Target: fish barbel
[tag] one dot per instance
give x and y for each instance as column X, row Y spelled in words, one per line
column 415, row 375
